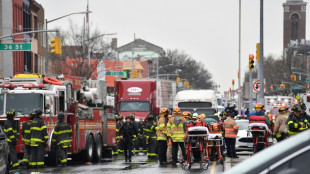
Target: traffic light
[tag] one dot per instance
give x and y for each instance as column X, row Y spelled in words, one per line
column 56, row 46
column 293, row 78
column 233, row 82
column 186, row 84
column 282, row 86
column 178, row 80
column 135, row 73
column 258, row 52
column 251, row 62
column 271, row 87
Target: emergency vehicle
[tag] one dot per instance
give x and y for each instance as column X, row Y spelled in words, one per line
column 84, row 103
column 275, row 101
column 143, row 96
column 197, row 101
column 306, row 100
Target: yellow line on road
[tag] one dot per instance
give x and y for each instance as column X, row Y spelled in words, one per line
column 213, row 167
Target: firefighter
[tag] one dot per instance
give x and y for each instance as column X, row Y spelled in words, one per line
column 38, row 138
column 231, row 131
column 120, row 143
column 189, row 122
column 62, row 138
column 162, row 136
column 26, row 138
column 176, row 132
column 133, row 121
column 150, row 132
column 280, row 126
column 128, row 133
column 295, row 122
column 10, row 131
column 304, row 113
column 140, row 142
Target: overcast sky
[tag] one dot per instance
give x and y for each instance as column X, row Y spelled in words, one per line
column 205, row 29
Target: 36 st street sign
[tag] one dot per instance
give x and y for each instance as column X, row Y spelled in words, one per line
column 15, row 47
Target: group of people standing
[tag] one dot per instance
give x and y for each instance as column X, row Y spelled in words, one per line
column 34, row 137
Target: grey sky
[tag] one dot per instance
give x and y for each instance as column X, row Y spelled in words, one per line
column 205, row 29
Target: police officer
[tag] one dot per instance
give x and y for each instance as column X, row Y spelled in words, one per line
column 128, row 133
column 62, row 138
column 38, row 138
column 120, row 143
column 26, row 138
column 10, row 131
column 295, row 122
column 140, row 142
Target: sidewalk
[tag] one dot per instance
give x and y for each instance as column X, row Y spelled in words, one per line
column 231, row 162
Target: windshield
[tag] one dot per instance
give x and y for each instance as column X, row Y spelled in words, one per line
column 219, row 101
column 243, row 125
column 1, row 104
column 24, row 103
column 220, row 109
column 134, row 106
column 207, row 112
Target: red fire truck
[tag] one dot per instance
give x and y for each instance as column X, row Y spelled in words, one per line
column 143, row 96
column 84, row 103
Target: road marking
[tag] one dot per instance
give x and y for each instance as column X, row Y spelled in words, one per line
column 213, row 167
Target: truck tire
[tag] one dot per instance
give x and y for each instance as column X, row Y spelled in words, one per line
column 89, row 151
column 98, row 148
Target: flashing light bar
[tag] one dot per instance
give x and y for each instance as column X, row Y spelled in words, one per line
column 12, row 86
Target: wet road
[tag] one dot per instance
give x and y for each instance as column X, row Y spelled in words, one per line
column 139, row 164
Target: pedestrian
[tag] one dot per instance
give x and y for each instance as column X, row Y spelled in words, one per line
column 231, row 131
column 120, row 142
column 162, row 136
column 133, row 121
column 150, row 132
column 38, row 139
column 128, row 133
column 10, row 131
column 62, row 139
column 141, row 142
column 26, row 138
column 176, row 132
column 295, row 122
column 280, row 126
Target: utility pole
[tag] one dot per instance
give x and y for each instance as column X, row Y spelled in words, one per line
column 239, row 76
column 251, row 92
column 261, row 67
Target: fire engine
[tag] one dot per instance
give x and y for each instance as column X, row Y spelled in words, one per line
column 83, row 101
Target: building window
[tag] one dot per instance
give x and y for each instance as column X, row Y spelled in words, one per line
column 35, row 26
column 294, row 26
column 36, row 63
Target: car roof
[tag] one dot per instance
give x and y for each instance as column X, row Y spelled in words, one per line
column 262, row 160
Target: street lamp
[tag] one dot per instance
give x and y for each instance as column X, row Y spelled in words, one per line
column 46, row 39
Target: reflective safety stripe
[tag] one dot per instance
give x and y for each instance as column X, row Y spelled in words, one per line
column 12, row 136
column 45, row 137
column 115, row 153
column 151, row 154
column 292, row 133
column 178, row 135
column 161, row 125
column 53, row 140
column 8, row 140
column 65, row 141
column 27, row 131
column 153, row 137
column 63, row 160
column 291, row 122
column 180, row 125
column 117, row 130
column 7, row 130
column 33, row 163
column 38, row 128
column 279, row 136
column 26, row 160
column 62, row 132
column 40, row 163
column 120, row 150
column 137, row 150
column 148, row 130
column 15, row 164
column 144, row 150
column 161, row 138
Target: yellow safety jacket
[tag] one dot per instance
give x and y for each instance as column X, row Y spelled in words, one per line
column 161, row 129
column 174, row 131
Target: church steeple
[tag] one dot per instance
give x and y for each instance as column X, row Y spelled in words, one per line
column 294, row 25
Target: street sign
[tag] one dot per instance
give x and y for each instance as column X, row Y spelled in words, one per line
column 296, row 87
column 114, row 73
column 256, row 86
column 15, row 47
column 239, row 90
column 308, row 80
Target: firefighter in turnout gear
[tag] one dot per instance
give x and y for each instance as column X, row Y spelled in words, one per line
column 115, row 149
column 141, row 142
column 62, row 138
column 295, row 122
column 162, row 136
column 26, row 138
column 10, row 131
column 176, row 132
column 133, row 121
column 280, row 126
column 150, row 132
column 38, row 138
column 120, row 142
column 128, row 133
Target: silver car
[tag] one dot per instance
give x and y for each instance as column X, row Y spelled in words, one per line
column 244, row 140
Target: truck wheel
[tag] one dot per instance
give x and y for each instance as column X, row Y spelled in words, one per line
column 98, row 148
column 89, row 149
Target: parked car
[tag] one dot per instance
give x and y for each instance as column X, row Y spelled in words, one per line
column 289, row 156
column 244, row 140
column 4, row 153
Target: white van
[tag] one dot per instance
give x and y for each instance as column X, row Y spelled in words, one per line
column 197, row 101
